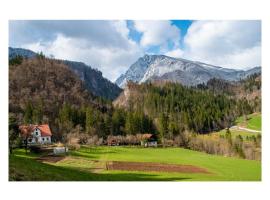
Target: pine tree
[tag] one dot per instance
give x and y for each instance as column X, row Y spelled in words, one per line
column 13, row 132
column 118, row 121
column 37, row 113
column 163, row 124
column 130, row 124
column 89, row 119
column 28, row 112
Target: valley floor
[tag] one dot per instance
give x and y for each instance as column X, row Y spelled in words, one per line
column 91, row 164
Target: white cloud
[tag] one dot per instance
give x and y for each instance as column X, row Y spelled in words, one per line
column 106, row 45
column 157, row 33
column 234, row 44
column 111, row 61
column 102, row 44
column 177, row 53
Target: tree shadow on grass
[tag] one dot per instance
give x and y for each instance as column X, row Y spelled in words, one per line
column 90, row 153
column 27, row 169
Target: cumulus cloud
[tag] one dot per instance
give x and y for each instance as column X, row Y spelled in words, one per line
column 109, row 46
column 111, row 61
column 102, row 44
column 234, row 44
column 158, row 33
column 177, row 53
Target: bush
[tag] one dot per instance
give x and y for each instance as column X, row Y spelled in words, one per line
column 183, row 139
column 91, row 140
column 211, row 144
column 74, row 146
column 35, row 149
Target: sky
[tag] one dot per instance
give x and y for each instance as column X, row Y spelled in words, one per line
column 111, row 46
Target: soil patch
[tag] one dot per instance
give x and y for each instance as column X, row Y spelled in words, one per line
column 158, row 167
column 51, row 159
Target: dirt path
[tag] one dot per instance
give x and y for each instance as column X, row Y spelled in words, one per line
column 158, row 167
column 245, row 129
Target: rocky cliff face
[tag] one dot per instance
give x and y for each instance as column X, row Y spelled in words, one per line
column 164, row 68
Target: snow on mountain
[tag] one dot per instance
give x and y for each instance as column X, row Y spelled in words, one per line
column 160, row 67
column 136, row 70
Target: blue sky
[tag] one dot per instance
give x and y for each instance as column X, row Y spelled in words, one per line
column 135, row 35
column 112, row 46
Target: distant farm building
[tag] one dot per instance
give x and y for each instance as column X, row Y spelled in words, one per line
column 149, row 140
column 36, row 134
column 113, row 141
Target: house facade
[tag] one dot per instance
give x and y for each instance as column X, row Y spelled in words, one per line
column 149, row 140
column 36, row 134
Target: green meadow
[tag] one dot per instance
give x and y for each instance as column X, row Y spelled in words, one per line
column 88, row 164
column 254, row 121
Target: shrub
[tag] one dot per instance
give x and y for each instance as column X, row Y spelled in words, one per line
column 74, row 146
column 35, row 149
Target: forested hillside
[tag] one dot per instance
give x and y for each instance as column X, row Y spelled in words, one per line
column 92, row 78
column 43, row 90
column 201, row 109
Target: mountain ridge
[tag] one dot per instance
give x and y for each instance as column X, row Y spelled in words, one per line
column 92, row 78
column 187, row 72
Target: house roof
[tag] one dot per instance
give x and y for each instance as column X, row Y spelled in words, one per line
column 26, row 130
column 147, row 136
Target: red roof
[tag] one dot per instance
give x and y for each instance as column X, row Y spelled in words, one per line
column 27, row 130
column 147, row 136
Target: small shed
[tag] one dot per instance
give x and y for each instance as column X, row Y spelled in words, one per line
column 149, row 140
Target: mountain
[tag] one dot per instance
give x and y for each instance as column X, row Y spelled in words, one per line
column 13, row 52
column 43, row 90
column 92, row 78
column 136, row 71
column 165, row 68
column 94, row 81
column 47, row 82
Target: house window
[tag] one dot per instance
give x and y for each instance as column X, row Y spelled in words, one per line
column 47, row 139
column 36, row 133
column 42, row 139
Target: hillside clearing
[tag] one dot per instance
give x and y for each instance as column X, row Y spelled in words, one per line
column 254, row 121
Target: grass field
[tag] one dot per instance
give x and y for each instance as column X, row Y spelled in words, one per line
column 254, row 121
column 87, row 164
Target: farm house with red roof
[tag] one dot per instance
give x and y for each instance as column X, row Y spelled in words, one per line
column 36, row 134
column 149, row 140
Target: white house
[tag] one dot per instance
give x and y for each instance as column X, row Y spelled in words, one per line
column 36, row 134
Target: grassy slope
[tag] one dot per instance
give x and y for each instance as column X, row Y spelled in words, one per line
column 77, row 166
column 254, row 121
